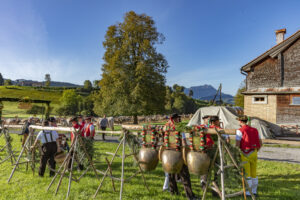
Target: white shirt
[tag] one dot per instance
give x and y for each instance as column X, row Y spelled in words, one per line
column 42, row 134
column 239, row 135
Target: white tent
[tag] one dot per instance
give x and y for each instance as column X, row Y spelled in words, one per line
column 228, row 117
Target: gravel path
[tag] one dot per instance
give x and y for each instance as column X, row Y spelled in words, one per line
column 290, row 155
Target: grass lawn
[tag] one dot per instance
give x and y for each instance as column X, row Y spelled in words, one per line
column 277, row 181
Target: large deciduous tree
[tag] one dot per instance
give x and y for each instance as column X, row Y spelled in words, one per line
column 133, row 78
column 239, row 97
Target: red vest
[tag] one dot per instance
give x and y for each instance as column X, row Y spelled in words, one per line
column 87, row 132
column 76, row 126
column 250, row 138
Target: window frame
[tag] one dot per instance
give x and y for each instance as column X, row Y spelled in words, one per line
column 292, row 102
column 260, row 102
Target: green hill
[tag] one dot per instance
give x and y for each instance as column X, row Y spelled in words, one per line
column 11, row 108
column 32, row 93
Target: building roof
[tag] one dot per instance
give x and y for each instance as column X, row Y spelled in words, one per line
column 273, row 52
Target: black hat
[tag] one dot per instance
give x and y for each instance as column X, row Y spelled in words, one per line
column 79, row 116
column 205, row 117
column 73, row 119
column 52, row 119
column 243, row 118
column 175, row 115
column 45, row 123
column 88, row 118
column 214, row 118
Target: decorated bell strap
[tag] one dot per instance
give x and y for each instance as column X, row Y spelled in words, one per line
column 144, row 132
column 178, row 140
column 191, row 139
column 153, row 138
column 166, row 138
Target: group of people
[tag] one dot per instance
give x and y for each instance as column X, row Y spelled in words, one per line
column 247, row 139
column 53, row 143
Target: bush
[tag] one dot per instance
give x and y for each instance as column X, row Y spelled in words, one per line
column 35, row 109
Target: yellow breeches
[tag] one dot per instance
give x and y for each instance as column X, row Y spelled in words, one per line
column 250, row 166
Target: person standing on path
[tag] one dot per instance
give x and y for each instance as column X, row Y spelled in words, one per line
column 248, row 140
column 103, row 125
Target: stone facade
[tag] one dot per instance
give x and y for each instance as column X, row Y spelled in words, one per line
column 266, row 111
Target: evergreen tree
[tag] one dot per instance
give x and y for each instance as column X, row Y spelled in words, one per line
column 47, row 80
column 133, row 79
column 1, row 80
column 87, row 85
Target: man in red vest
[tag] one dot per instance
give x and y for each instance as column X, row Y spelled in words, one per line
column 248, row 140
column 89, row 128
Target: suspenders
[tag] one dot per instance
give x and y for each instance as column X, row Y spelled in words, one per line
column 46, row 136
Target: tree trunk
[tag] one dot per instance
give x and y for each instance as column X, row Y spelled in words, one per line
column 135, row 119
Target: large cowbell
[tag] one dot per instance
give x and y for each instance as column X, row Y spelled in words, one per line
column 172, row 161
column 197, row 162
column 148, row 159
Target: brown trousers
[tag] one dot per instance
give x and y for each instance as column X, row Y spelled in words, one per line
column 184, row 176
column 48, row 152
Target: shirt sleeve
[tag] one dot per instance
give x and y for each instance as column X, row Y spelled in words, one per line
column 183, row 135
column 55, row 135
column 39, row 136
column 92, row 128
column 238, row 135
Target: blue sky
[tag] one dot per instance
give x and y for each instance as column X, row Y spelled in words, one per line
column 206, row 41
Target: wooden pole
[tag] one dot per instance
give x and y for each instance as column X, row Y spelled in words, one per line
column 20, row 155
column 105, row 174
column 220, row 146
column 88, row 156
column 63, row 164
column 209, row 172
column 71, row 172
column 123, row 160
column 110, row 171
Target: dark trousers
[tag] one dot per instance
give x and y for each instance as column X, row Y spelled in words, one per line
column 184, row 175
column 103, row 128
column 48, row 152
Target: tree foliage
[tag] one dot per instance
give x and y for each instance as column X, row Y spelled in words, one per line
column 96, row 84
column 1, row 80
column 47, row 80
column 177, row 101
column 191, row 93
column 69, row 103
column 239, row 97
column 7, row 82
column 87, row 85
column 133, row 79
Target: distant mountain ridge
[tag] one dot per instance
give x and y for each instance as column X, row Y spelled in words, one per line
column 24, row 82
column 207, row 92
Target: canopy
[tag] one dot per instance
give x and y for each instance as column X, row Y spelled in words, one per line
column 228, row 120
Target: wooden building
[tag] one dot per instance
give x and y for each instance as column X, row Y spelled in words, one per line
column 273, row 82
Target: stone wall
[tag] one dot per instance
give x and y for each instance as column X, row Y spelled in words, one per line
column 264, row 75
column 287, row 113
column 263, row 111
column 292, row 65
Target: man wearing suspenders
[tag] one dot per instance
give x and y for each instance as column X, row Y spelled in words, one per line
column 49, row 140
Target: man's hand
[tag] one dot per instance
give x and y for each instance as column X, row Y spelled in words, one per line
column 58, row 150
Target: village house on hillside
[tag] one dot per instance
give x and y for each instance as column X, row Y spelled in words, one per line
column 273, row 82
